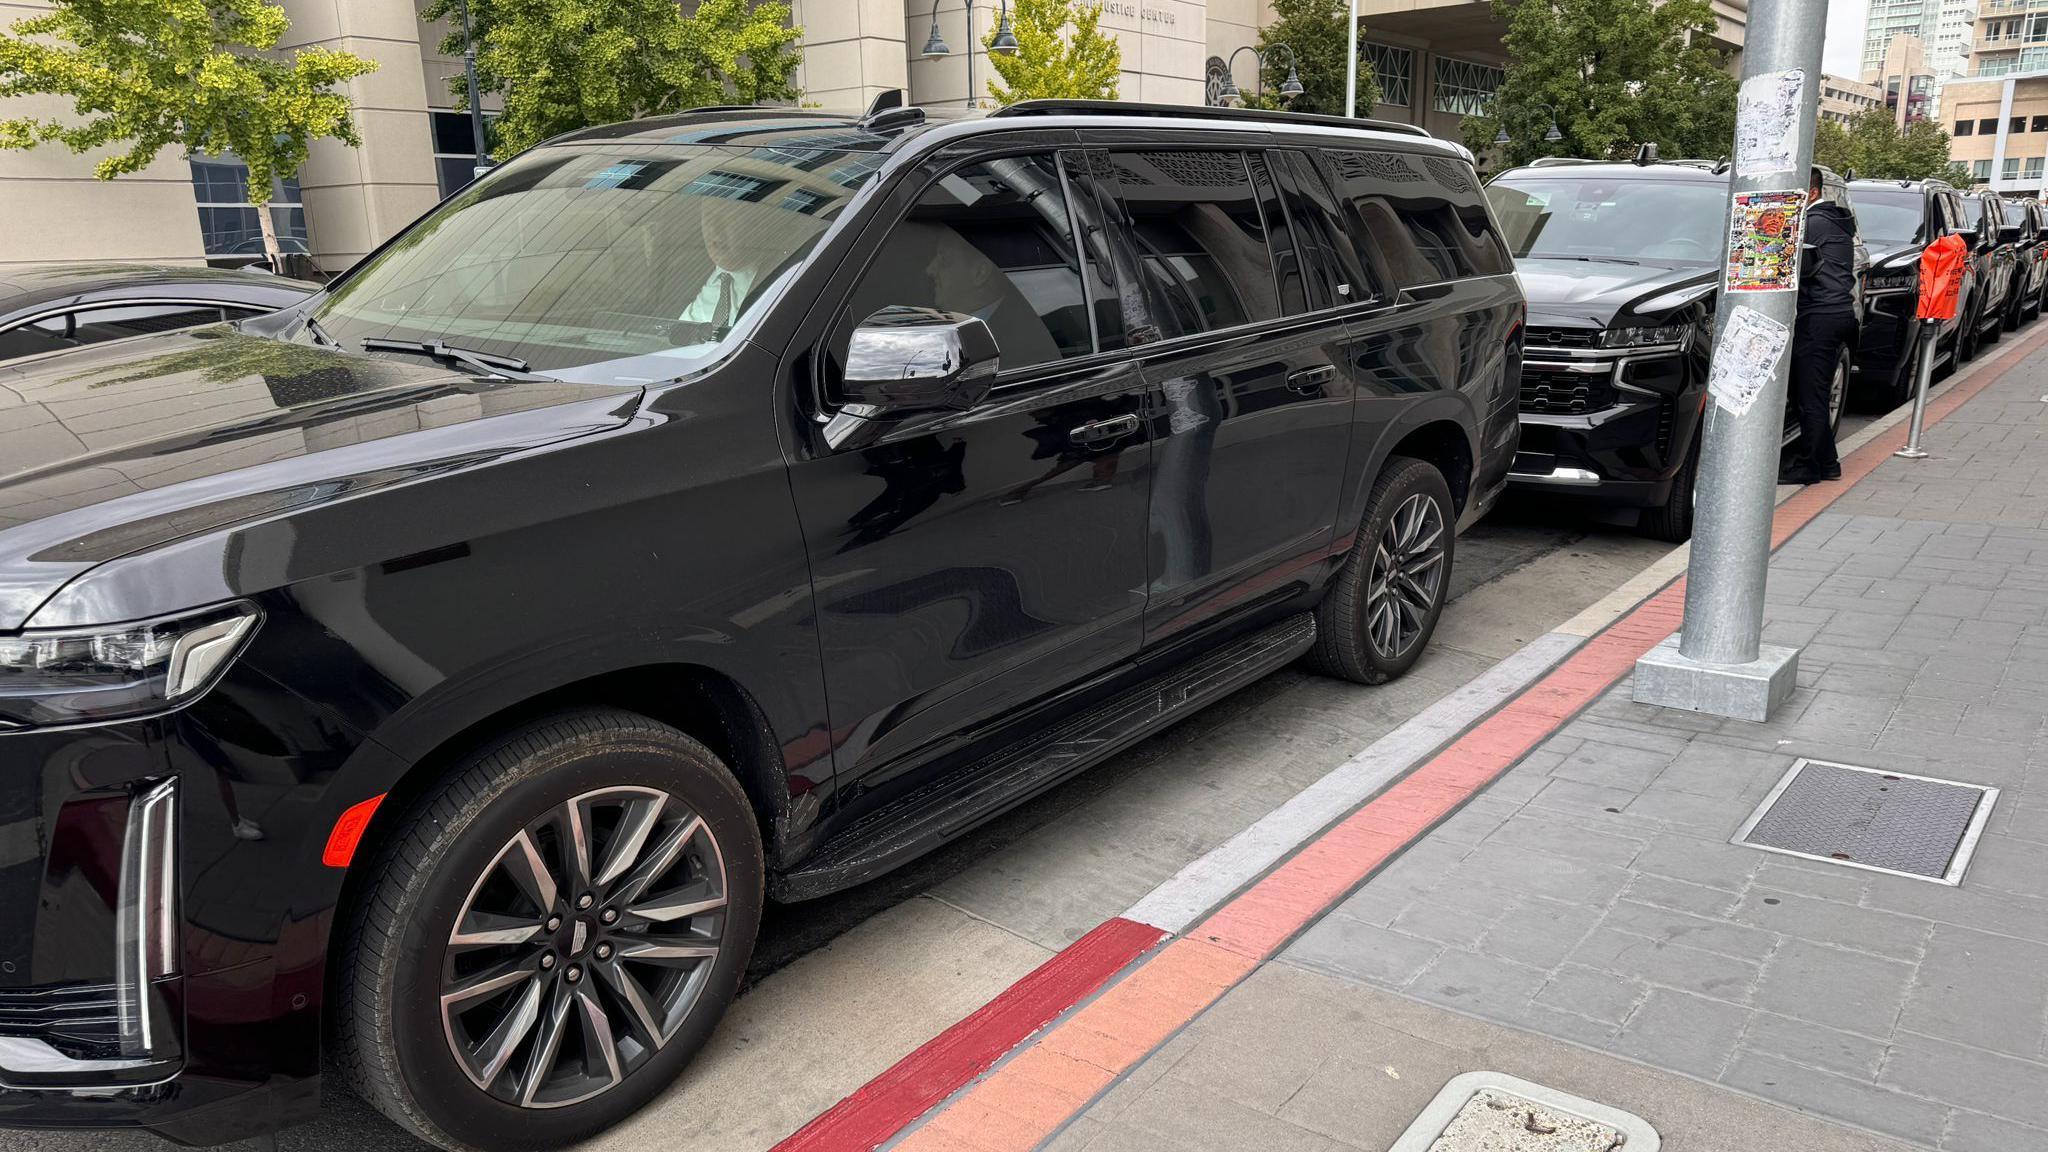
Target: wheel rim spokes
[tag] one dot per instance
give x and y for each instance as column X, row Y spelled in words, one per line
column 583, row 946
column 1407, row 576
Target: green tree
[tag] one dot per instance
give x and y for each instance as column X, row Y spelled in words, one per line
column 1314, row 29
column 204, row 76
column 566, row 64
column 1872, row 145
column 1619, row 73
column 1082, row 64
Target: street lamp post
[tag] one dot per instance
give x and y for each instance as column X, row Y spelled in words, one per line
column 1004, row 43
column 1351, row 63
column 476, row 111
column 1718, row 663
column 1550, row 136
column 1289, row 88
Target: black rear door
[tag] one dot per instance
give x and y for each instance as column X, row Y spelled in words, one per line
column 1248, row 408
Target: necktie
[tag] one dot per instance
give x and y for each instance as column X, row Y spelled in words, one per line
column 721, row 314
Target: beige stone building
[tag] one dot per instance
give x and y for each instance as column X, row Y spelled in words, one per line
column 1843, row 99
column 1997, row 118
column 1437, row 61
column 1907, row 81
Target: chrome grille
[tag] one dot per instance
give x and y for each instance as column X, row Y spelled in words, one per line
column 1556, row 392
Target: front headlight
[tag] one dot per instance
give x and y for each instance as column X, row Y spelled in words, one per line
column 83, row 675
column 1642, row 337
column 1890, row 280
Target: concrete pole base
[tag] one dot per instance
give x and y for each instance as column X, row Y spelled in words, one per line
column 1752, row 691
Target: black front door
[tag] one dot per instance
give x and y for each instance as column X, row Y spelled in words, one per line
column 1250, row 408
column 969, row 563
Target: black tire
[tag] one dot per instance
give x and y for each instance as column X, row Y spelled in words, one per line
column 2015, row 308
column 1898, row 388
column 391, row 1045
column 1671, row 521
column 1345, row 648
column 1967, row 338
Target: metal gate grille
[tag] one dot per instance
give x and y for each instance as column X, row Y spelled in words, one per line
column 1869, row 818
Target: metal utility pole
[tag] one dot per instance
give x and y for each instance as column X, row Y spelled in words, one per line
column 1718, row 664
column 476, row 111
column 1351, row 63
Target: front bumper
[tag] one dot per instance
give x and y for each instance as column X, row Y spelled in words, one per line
column 1622, row 432
column 168, row 917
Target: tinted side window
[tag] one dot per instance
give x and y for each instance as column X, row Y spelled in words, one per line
column 1333, row 273
column 1280, row 238
column 45, row 335
column 1200, row 237
column 1423, row 214
column 112, row 323
column 994, row 240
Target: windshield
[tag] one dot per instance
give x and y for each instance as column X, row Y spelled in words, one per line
column 1885, row 218
column 625, row 262
column 1679, row 221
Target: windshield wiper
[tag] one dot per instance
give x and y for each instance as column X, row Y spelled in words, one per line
column 319, row 334
column 486, row 363
column 1606, row 259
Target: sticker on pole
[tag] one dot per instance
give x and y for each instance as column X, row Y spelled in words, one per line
column 1763, row 242
column 1767, row 122
column 1750, row 348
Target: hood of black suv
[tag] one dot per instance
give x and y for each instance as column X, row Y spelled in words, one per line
column 114, row 449
column 1576, row 292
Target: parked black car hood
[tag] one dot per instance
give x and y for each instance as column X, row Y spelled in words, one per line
column 1570, row 292
column 118, row 448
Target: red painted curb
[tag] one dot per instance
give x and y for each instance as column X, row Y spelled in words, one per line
column 911, row 1086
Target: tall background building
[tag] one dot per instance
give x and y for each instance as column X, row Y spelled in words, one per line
column 1943, row 30
column 1437, row 61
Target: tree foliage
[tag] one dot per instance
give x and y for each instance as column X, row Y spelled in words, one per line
column 1051, row 62
column 1872, row 145
column 1314, row 29
column 566, row 64
column 1619, row 73
column 203, row 76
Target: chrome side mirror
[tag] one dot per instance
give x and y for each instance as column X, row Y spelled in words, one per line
column 904, row 359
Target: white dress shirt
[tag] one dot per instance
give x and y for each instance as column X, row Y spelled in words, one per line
column 704, row 309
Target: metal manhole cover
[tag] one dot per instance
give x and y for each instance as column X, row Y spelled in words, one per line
column 1868, row 818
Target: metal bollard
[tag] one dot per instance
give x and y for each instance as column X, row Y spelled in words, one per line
column 1930, row 335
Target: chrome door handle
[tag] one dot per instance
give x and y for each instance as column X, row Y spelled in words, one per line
column 1309, row 381
column 1103, row 431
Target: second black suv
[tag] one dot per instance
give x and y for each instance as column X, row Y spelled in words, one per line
column 1898, row 219
column 1995, row 248
column 719, row 507
column 2024, row 222
column 1620, row 262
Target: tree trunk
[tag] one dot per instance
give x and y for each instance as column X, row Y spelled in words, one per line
column 271, row 251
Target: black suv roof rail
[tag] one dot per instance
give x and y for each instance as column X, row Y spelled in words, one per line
column 1193, row 112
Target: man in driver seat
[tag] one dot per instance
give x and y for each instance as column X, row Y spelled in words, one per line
column 1827, row 321
column 735, row 259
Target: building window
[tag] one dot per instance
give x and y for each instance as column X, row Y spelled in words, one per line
column 1987, row 127
column 2016, row 124
column 2040, row 124
column 2033, row 170
column 1980, row 169
column 455, row 147
column 1393, row 69
column 729, row 186
column 1964, row 128
column 228, row 223
column 2011, row 170
column 1464, row 87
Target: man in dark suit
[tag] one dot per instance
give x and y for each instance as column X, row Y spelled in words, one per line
column 1826, row 323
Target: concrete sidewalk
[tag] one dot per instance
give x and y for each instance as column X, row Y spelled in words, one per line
column 1586, row 923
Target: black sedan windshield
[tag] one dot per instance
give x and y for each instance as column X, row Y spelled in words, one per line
column 1677, row 221
column 1888, row 218
column 633, row 259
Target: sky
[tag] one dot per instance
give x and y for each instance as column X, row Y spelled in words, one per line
column 1843, row 55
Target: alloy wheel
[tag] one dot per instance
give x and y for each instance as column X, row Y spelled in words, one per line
column 583, row 946
column 1407, row 576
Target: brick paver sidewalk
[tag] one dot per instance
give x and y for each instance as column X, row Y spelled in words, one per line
column 1585, row 922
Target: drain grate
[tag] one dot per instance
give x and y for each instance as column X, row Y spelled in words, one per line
column 1868, row 818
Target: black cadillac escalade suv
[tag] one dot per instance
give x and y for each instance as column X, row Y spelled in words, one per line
column 1620, row 262
column 439, row 675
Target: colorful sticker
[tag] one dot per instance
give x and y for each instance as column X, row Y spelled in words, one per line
column 1763, row 242
column 1767, row 122
column 1746, row 357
